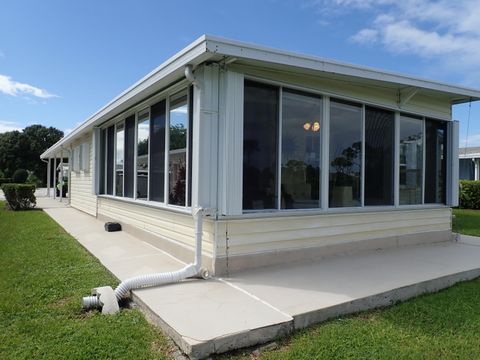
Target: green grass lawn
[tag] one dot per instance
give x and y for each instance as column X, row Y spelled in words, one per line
column 44, row 273
column 467, row 221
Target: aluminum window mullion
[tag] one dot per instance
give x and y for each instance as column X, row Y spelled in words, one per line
column 279, row 157
column 149, row 154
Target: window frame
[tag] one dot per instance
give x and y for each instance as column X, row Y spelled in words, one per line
column 165, row 95
column 325, row 124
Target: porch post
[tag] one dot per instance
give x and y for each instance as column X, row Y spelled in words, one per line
column 49, row 168
column 55, row 177
column 61, row 175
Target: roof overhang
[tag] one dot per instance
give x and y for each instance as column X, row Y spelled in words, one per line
column 212, row 48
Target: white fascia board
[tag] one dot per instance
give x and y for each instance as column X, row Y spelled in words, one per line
column 238, row 49
column 192, row 53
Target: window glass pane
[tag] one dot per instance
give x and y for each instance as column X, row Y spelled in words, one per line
column 143, row 132
column 129, row 163
column 157, row 150
column 119, row 159
column 301, row 119
column 411, row 160
column 467, row 169
column 379, row 140
column 435, row 161
column 345, row 154
column 260, row 146
column 110, row 158
column 177, row 155
column 102, row 154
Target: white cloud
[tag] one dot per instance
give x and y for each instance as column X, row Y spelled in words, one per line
column 15, row 88
column 6, row 126
column 446, row 32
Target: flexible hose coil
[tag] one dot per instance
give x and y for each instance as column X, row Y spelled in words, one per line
column 154, row 280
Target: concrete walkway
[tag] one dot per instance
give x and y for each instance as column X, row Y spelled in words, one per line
column 205, row 317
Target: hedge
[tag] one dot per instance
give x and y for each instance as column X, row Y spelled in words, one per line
column 5, row 181
column 20, row 196
column 469, row 194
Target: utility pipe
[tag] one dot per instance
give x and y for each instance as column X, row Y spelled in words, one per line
column 107, row 299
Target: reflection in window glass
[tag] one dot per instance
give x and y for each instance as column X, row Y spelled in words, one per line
column 411, row 160
column 177, row 155
column 379, row 140
column 119, row 157
column 301, row 119
column 157, row 151
column 435, row 161
column 129, row 157
column 345, row 154
column 110, row 159
column 260, row 146
column 143, row 132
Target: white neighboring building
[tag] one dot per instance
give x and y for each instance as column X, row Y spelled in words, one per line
column 469, row 167
column 298, row 157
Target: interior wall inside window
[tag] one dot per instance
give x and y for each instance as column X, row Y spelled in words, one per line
column 345, row 154
column 435, row 161
column 300, row 159
column 411, row 160
column 379, row 156
column 129, row 157
column 157, row 151
column 102, row 154
column 260, row 146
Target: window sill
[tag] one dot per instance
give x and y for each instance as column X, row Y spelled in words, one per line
column 252, row 214
column 150, row 204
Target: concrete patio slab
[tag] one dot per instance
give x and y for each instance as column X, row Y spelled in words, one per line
column 252, row 307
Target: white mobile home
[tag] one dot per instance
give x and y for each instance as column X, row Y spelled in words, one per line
column 297, row 157
column 469, row 160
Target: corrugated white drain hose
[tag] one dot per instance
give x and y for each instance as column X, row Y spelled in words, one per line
column 107, row 299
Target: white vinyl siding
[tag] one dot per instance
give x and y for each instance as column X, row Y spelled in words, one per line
column 81, row 182
column 252, row 236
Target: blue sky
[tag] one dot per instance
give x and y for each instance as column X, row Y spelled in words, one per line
column 60, row 61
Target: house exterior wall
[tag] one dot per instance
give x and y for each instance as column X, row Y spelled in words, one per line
column 255, row 242
column 82, row 196
column 171, row 231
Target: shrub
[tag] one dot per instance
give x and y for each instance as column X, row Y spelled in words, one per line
column 469, row 194
column 20, row 196
column 33, row 179
column 20, row 176
column 4, row 180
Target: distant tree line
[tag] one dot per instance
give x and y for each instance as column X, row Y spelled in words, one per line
column 22, row 150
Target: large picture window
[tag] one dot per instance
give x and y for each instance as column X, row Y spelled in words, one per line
column 129, row 157
column 143, row 134
column 435, row 161
column 300, row 158
column 411, row 160
column 119, row 158
column 379, row 156
column 345, row 154
column 260, row 146
column 178, row 139
column 157, row 151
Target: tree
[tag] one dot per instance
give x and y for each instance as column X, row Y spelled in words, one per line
column 23, row 149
